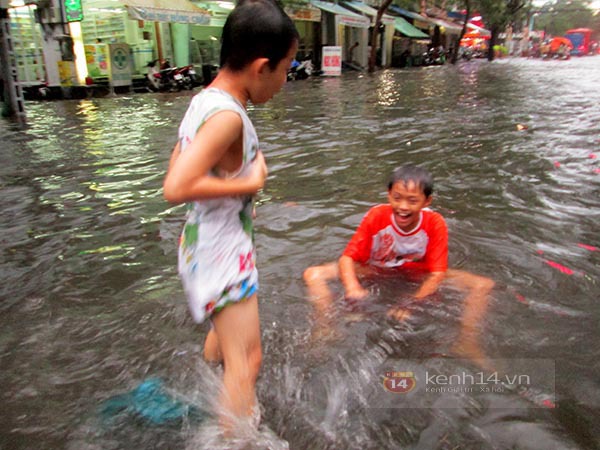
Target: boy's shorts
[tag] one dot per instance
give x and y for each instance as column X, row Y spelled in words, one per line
column 231, row 295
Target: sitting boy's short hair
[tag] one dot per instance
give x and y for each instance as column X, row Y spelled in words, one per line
column 415, row 174
column 256, row 29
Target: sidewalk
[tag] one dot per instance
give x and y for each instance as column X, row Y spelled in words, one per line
column 99, row 88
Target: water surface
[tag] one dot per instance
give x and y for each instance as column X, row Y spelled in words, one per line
column 91, row 305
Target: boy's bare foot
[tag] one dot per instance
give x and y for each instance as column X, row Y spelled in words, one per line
column 399, row 314
column 324, row 332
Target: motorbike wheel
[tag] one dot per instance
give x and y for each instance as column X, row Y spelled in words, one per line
column 151, row 87
column 188, row 83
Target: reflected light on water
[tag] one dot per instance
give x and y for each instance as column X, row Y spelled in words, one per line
column 388, row 91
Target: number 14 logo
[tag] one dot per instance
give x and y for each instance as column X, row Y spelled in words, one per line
column 399, row 382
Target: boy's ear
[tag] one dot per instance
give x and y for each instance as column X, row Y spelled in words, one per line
column 428, row 201
column 259, row 65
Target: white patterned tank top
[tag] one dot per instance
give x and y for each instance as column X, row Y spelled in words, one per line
column 216, row 248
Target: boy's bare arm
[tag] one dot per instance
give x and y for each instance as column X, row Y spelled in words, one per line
column 430, row 285
column 174, row 155
column 189, row 177
column 352, row 287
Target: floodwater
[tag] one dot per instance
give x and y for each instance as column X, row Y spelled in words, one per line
column 91, row 306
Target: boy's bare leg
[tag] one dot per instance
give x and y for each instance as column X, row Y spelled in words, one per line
column 212, row 350
column 316, row 279
column 477, row 289
column 238, row 330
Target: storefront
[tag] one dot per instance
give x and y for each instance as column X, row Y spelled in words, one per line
column 448, row 33
column 104, row 23
column 342, row 27
column 307, row 20
column 409, row 44
column 442, row 32
column 180, row 31
column 153, row 29
column 28, row 44
column 385, row 34
column 205, row 46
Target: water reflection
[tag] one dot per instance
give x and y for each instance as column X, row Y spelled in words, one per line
column 387, row 92
column 92, row 307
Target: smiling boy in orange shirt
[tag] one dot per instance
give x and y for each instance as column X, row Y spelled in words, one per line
column 404, row 235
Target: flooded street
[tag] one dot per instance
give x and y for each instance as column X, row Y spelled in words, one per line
column 91, row 305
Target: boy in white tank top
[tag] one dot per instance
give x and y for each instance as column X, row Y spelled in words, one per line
column 216, row 167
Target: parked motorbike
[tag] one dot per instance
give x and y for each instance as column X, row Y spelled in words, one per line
column 465, row 53
column 167, row 78
column 160, row 78
column 185, row 77
column 434, row 57
column 563, row 52
column 300, row 70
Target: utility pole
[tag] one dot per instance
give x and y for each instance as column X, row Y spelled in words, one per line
column 12, row 94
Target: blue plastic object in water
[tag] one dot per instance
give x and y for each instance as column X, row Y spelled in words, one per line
column 149, row 401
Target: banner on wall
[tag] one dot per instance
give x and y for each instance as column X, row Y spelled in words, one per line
column 66, row 73
column 170, row 11
column 96, row 57
column 119, row 65
column 331, row 61
column 308, row 13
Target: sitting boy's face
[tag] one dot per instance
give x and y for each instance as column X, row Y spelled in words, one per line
column 407, row 201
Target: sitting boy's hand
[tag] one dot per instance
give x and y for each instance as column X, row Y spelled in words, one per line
column 357, row 293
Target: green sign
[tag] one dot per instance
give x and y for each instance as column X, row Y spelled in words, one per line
column 120, row 58
column 73, row 10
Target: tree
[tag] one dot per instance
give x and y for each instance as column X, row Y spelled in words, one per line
column 555, row 18
column 380, row 12
column 497, row 14
column 456, row 46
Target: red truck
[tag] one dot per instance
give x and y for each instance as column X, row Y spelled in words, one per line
column 581, row 38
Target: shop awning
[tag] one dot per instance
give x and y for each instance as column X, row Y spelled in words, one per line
column 345, row 16
column 481, row 31
column 177, row 11
column 419, row 20
column 450, row 27
column 306, row 12
column 370, row 11
column 218, row 14
column 402, row 26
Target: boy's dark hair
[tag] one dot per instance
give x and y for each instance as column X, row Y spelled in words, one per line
column 417, row 175
column 256, row 29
